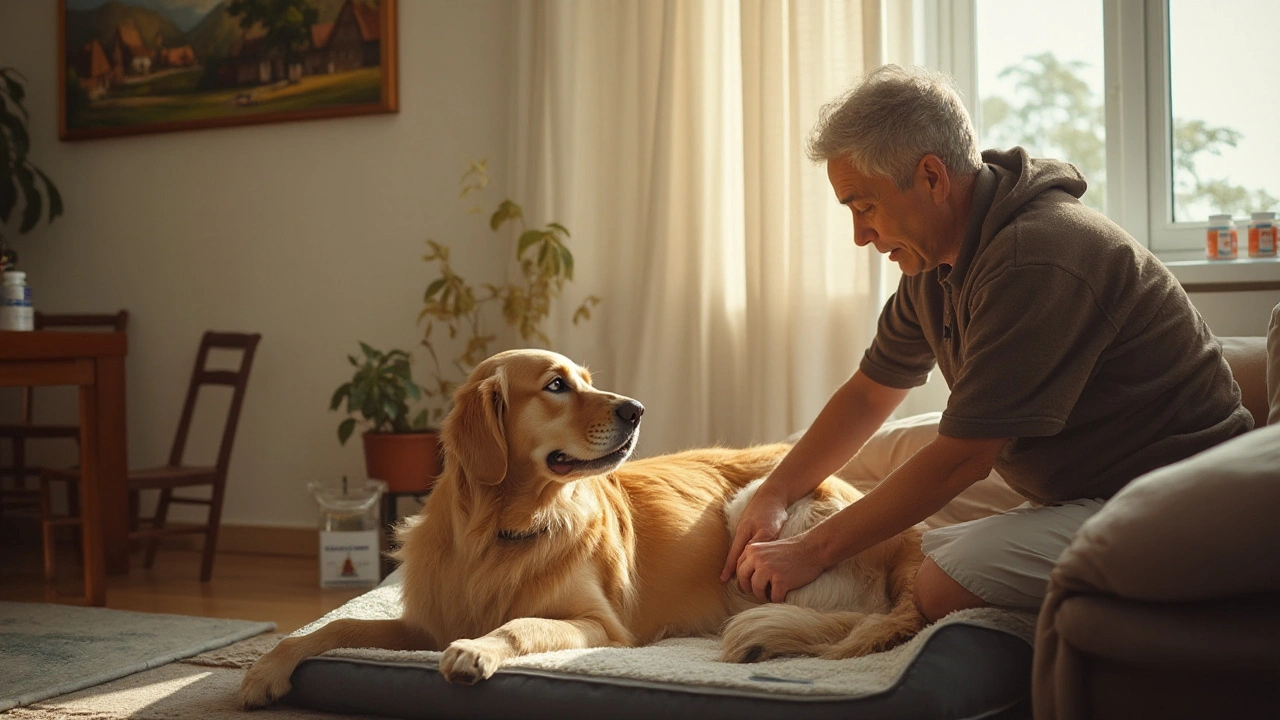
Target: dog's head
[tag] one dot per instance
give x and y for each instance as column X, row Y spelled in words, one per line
column 534, row 412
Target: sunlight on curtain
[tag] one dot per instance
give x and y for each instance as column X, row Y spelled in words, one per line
column 669, row 136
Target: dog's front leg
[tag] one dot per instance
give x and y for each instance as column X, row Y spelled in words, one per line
column 268, row 679
column 472, row 660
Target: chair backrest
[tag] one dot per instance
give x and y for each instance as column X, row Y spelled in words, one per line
column 201, row 375
column 113, row 322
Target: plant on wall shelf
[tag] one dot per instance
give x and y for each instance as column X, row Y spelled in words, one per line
column 465, row 310
column 22, row 184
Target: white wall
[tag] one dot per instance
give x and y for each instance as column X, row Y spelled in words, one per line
column 308, row 232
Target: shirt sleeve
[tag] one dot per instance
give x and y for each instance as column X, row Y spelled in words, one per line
column 899, row 355
column 1034, row 340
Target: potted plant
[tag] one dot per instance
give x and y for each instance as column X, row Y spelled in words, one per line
column 466, row 310
column 21, row 182
column 382, row 388
column 398, row 449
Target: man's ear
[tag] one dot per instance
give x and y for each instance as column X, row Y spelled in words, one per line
column 474, row 434
column 932, row 172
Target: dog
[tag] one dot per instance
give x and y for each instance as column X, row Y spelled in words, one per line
column 861, row 605
column 540, row 536
column 537, row 536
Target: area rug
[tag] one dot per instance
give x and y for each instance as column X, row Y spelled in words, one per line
column 205, row 686
column 48, row 650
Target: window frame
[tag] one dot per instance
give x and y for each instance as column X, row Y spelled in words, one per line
column 1138, row 127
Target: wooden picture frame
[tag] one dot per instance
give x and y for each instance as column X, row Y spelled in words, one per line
column 147, row 66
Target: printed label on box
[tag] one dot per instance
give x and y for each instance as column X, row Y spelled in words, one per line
column 348, row 558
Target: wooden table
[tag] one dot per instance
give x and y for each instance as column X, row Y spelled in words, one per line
column 94, row 361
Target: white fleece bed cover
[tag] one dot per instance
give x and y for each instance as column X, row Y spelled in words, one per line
column 691, row 661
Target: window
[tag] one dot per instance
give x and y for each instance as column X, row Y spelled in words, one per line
column 1044, row 90
column 1166, row 105
column 1225, row 143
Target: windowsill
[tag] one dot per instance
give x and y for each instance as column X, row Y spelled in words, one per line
column 1199, row 274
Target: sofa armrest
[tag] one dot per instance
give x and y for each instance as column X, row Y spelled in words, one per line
column 1205, row 527
column 1273, row 366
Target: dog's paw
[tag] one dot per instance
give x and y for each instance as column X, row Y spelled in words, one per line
column 470, row 661
column 740, row 642
column 264, row 683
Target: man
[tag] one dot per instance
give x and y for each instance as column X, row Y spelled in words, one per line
column 1075, row 360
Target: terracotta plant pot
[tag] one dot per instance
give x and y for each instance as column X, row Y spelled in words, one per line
column 407, row 462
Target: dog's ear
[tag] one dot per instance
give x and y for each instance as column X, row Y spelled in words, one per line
column 475, row 433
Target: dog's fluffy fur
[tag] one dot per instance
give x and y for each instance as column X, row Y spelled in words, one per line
column 861, row 605
column 537, row 538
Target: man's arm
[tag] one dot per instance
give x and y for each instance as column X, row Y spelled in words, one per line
column 921, row 486
column 918, row 488
column 850, row 417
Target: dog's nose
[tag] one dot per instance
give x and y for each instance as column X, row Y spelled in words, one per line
column 630, row 412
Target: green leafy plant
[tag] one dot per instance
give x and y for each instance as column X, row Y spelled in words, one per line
column 379, row 393
column 21, row 182
column 466, row 310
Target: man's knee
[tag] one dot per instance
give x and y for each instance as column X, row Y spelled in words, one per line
column 937, row 594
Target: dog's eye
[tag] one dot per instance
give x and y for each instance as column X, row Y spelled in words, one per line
column 557, row 385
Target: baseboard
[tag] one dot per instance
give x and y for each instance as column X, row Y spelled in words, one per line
column 255, row 540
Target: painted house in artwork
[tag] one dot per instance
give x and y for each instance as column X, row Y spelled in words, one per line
column 177, row 57
column 129, row 56
column 350, row 42
column 93, row 69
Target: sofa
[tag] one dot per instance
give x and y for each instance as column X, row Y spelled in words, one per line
column 1166, row 604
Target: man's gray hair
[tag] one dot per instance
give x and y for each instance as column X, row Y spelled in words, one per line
column 894, row 117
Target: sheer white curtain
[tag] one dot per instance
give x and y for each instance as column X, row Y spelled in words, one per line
column 669, row 137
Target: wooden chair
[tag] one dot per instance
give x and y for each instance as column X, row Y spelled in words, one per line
column 27, row 429
column 174, row 474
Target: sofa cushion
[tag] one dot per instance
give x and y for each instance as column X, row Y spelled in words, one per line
column 1247, row 357
column 1202, row 528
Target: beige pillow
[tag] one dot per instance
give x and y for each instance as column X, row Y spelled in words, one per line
column 1273, row 366
column 898, row 440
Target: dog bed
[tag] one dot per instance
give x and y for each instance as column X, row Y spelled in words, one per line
column 971, row 664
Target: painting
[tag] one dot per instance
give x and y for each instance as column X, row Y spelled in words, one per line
column 146, row 66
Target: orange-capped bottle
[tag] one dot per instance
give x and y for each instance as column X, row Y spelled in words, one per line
column 1262, row 235
column 1222, row 239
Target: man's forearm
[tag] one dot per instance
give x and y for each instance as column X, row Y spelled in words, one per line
column 921, row 486
column 850, row 417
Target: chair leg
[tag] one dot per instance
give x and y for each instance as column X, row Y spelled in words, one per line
column 73, row 509
column 157, row 523
column 211, row 532
column 46, row 531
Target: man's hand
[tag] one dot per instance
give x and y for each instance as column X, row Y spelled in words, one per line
column 761, row 522
column 770, row 570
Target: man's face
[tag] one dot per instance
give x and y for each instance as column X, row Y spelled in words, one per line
column 894, row 221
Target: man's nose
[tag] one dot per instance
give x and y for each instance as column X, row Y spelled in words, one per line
column 862, row 235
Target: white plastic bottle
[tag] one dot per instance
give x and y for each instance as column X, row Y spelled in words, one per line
column 16, row 312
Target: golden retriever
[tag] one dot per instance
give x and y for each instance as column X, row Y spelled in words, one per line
column 537, row 536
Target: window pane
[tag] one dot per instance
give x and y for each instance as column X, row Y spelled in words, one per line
column 1226, row 141
column 1040, row 83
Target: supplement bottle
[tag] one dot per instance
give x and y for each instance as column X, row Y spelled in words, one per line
column 15, row 302
column 1221, row 241
column 1262, row 235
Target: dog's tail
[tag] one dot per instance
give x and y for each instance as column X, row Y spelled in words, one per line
column 782, row 630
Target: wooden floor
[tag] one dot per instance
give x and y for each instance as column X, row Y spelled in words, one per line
column 276, row 588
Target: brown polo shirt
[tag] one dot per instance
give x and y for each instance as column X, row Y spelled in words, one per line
column 1057, row 329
